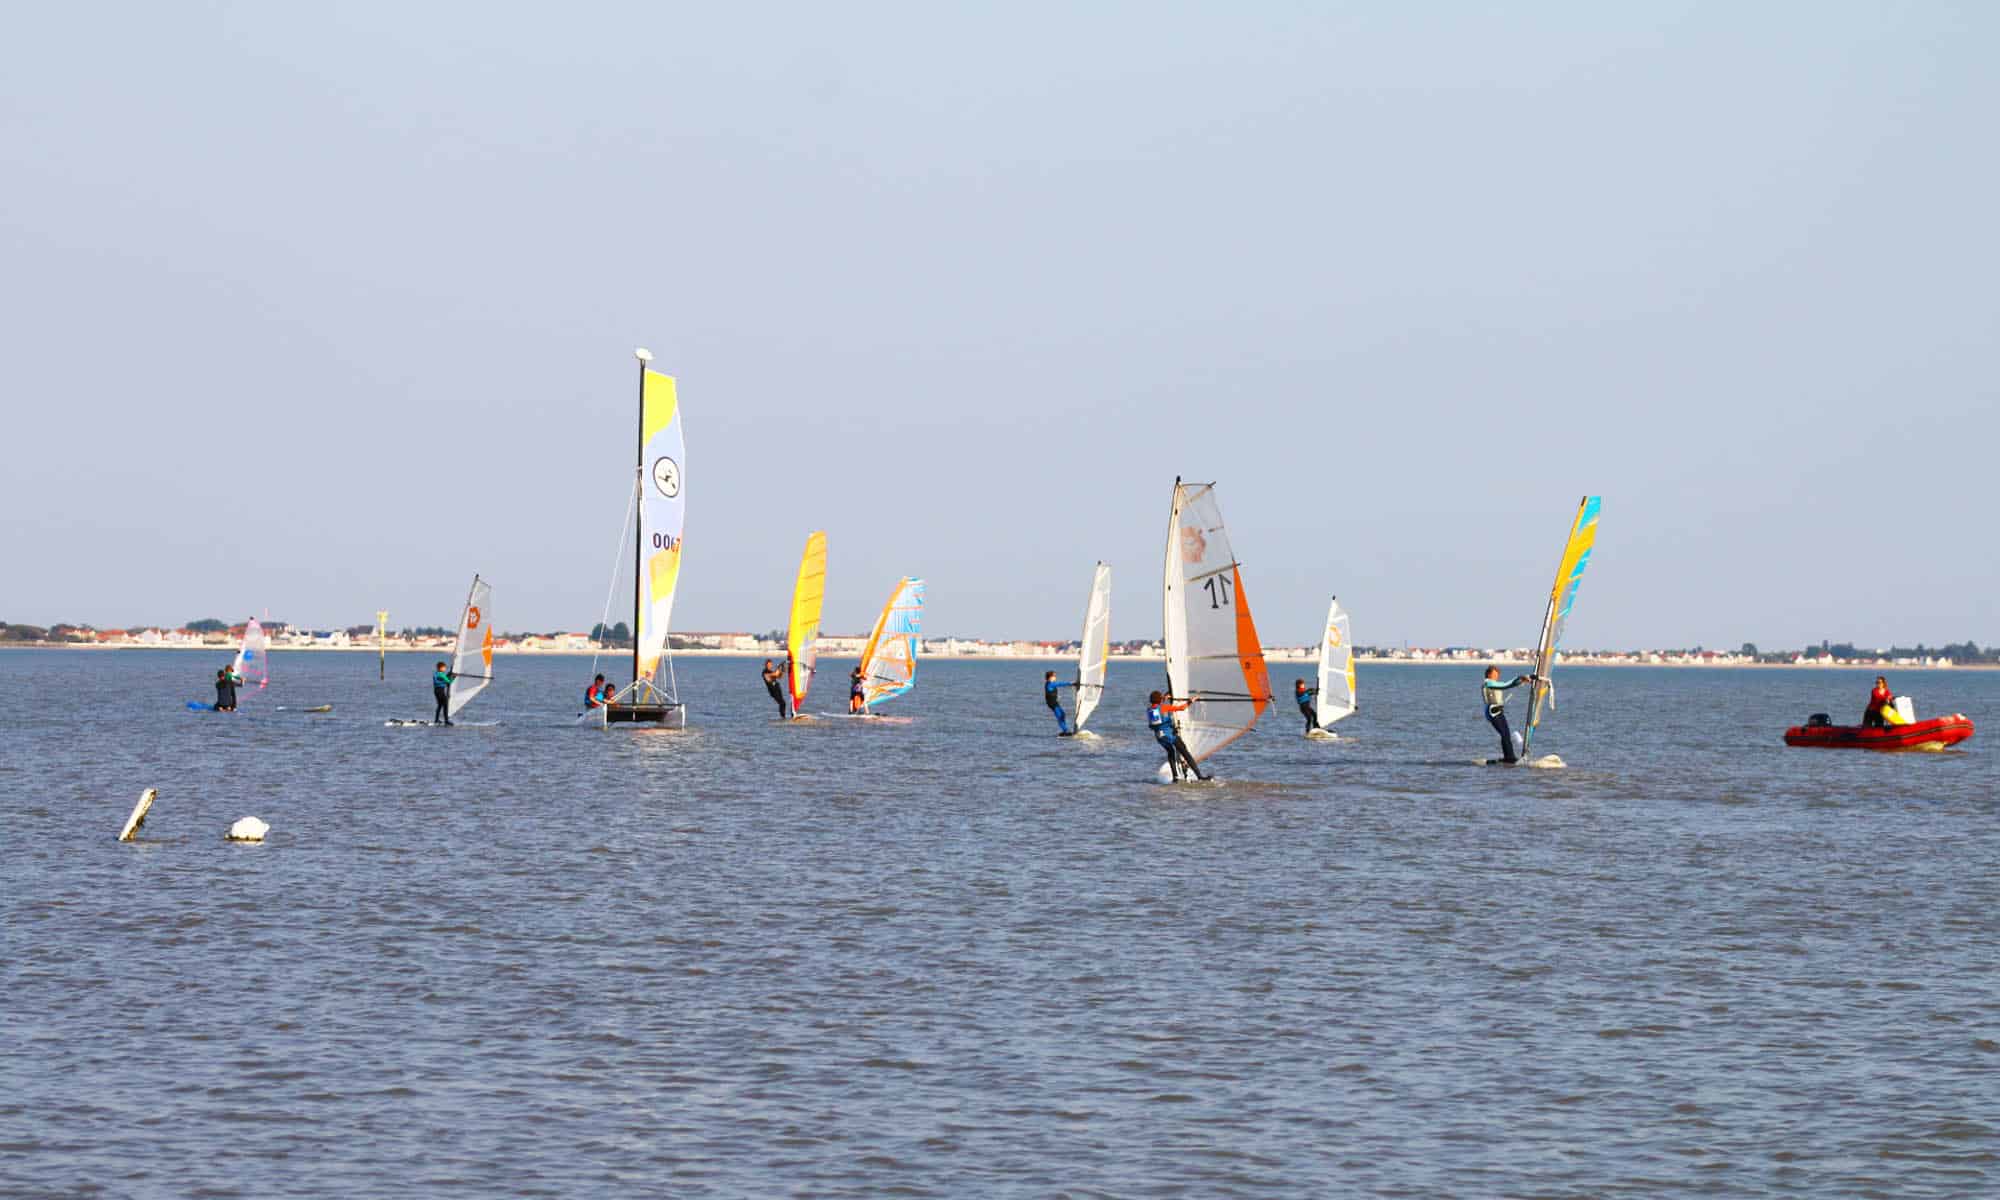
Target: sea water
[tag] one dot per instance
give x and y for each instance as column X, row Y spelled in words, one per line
column 961, row 956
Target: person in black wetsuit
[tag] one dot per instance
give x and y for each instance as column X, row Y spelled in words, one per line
column 1305, row 696
column 225, row 690
column 773, row 677
column 441, row 690
column 1495, row 694
column 857, row 692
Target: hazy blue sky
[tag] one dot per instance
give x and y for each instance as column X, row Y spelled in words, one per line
column 322, row 308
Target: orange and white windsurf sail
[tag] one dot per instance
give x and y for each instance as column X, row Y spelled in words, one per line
column 889, row 662
column 1214, row 660
column 472, row 660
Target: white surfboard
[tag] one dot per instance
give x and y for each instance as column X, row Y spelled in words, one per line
column 138, row 817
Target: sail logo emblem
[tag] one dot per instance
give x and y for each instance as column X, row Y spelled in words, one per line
column 1194, row 547
column 667, row 477
column 472, row 617
column 1333, row 636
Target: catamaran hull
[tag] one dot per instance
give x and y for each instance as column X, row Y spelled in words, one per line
column 1934, row 734
column 667, row 716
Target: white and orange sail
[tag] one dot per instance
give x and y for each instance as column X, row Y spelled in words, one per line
column 1214, row 660
column 1336, row 667
column 472, row 659
column 802, row 635
column 889, row 661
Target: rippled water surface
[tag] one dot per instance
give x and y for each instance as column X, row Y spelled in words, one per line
column 961, row 957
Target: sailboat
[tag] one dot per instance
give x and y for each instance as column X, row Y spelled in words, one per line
column 472, row 653
column 253, row 658
column 889, row 661
column 802, row 635
column 1090, row 658
column 1336, row 673
column 659, row 497
column 1562, row 598
column 1214, row 660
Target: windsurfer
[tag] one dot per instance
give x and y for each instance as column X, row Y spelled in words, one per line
column 772, row 676
column 1052, row 696
column 1305, row 696
column 1494, row 693
column 1879, row 700
column 857, row 692
column 226, row 683
column 1162, row 726
column 441, row 691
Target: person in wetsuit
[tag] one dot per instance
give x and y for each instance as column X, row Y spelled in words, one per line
column 1052, row 696
column 1305, row 696
column 226, row 683
column 773, row 677
column 441, row 691
column 1162, row 724
column 857, row 692
column 1494, row 693
column 1878, row 699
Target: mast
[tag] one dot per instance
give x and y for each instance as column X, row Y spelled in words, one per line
column 638, row 501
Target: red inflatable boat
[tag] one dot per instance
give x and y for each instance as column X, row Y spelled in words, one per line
column 1934, row 734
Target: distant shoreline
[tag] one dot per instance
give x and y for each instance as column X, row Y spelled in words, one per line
column 1039, row 658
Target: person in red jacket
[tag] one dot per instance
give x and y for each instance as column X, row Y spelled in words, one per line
column 1879, row 699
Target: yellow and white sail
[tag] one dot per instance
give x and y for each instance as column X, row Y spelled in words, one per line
column 1090, row 660
column 662, row 513
column 802, row 638
column 472, row 658
column 1214, row 659
column 1336, row 667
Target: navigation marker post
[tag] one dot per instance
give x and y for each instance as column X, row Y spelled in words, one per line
column 382, row 645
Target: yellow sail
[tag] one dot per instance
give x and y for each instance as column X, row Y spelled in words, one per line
column 802, row 641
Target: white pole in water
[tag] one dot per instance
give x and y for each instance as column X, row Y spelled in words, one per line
column 382, row 645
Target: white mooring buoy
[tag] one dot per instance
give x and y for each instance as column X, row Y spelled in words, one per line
column 248, row 829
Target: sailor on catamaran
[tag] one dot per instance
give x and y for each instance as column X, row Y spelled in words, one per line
column 1162, row 725
column 441, row 691
column 1305, row 696
column 1494, row 693
column 1052, row 696
column 772, row 676
column 598, row 694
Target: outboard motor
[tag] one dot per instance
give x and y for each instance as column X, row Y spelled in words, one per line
column 1818, row 721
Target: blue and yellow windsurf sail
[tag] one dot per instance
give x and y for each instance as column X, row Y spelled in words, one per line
column 1562, row 598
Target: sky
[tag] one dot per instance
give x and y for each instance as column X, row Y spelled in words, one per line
column 317, row 310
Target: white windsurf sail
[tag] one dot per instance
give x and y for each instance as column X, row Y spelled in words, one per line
column 1336, row 668
column 472, row 661
column 889, row 663
column 1090, row 660
column 1215, row 662
column 253, row 658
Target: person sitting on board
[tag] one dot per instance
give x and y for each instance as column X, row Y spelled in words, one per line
column 857, row 692
column 226, row 683
column 598, row 694
column 772, row 677
column 441, row 689
column 1052, row 696
column 1162, row 726
column 1305, row 696
column 1881, row 701
column 1494, row 693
